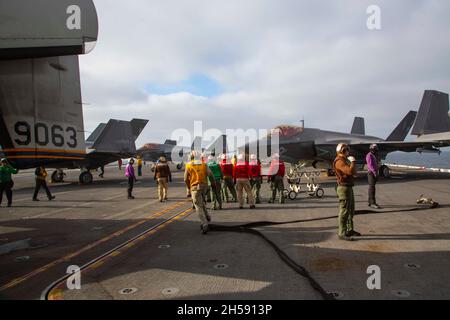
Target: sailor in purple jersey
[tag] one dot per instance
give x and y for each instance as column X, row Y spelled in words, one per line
column 372, row 174
column 129, row 173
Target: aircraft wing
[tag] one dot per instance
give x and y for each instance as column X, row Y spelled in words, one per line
column 410, row 146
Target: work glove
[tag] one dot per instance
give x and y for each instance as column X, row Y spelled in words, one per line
column 351, row 159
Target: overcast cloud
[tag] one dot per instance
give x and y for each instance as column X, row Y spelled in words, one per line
column 260, row 63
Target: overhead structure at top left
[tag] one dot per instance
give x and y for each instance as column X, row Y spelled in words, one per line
column 47, row 28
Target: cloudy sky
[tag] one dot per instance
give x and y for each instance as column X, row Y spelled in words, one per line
column 260, row 63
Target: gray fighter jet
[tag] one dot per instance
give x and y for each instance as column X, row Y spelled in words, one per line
column 317, row 148
column 152, row 151
column 108, row 143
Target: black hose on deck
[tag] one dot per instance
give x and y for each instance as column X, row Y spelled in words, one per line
column 247, row 228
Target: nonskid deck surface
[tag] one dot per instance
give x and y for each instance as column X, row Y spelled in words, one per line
column 170, row 259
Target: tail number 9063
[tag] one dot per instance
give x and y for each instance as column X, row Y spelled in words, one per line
column 43, row 135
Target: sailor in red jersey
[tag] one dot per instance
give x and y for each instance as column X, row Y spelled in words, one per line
column 242, row 179
column 227, row 182
column 276, row 174
column 255, row 177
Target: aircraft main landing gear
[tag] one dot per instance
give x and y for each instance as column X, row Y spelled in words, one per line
column 385, row 171
column 86, row 177
column 58, row 176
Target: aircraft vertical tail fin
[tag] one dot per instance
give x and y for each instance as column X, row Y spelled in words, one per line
column 218, row 146
column 197, row 144
column 117, row 136
column 358, row 126
column 95, row 134
column 433, row 115
column 137, row 125
column 401, row 131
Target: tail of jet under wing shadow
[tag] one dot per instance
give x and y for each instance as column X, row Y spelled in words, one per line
column 401, row 131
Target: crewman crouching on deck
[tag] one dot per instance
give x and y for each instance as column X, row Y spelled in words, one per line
column 196, row 177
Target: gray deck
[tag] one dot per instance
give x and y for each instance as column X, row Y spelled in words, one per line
column 82, row 215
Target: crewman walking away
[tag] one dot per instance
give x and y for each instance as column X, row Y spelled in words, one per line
column 242, row 179
column 162, row 177
column 196, row 177
column 102, row 171
column 119, row 162
column 234, row 160
column 6, row 182
column 227, row 182
column 215, row 185
column 372, row 174
column 188, row 189
column 129, row 173
column 276, row 175
column 41, row 175
column 255, row 177
column 139, row 165
column 344, row 167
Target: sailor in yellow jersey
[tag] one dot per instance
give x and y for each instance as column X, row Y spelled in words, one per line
column 188, row 190
column 196, row 178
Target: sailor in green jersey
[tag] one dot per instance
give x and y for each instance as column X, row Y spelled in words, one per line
column 216, row 186
column 6, row 182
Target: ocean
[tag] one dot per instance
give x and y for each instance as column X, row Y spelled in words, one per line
column 428, row 160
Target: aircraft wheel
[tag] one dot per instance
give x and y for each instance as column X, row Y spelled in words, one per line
column 292, row 195
column 320, row 193
column 57, row 177
column 385, row 171
column 330, row 173
column 179, row 166
column 86, row 177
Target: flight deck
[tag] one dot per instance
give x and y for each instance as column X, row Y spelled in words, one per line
column 145, row 249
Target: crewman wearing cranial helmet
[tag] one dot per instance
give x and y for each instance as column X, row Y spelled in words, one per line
column 372, row 159
column 216, row 185
column 276, row 175
column 345, row 168
column 241, row 176
column 196, row 177
column 255, row 177
column 227, row 182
